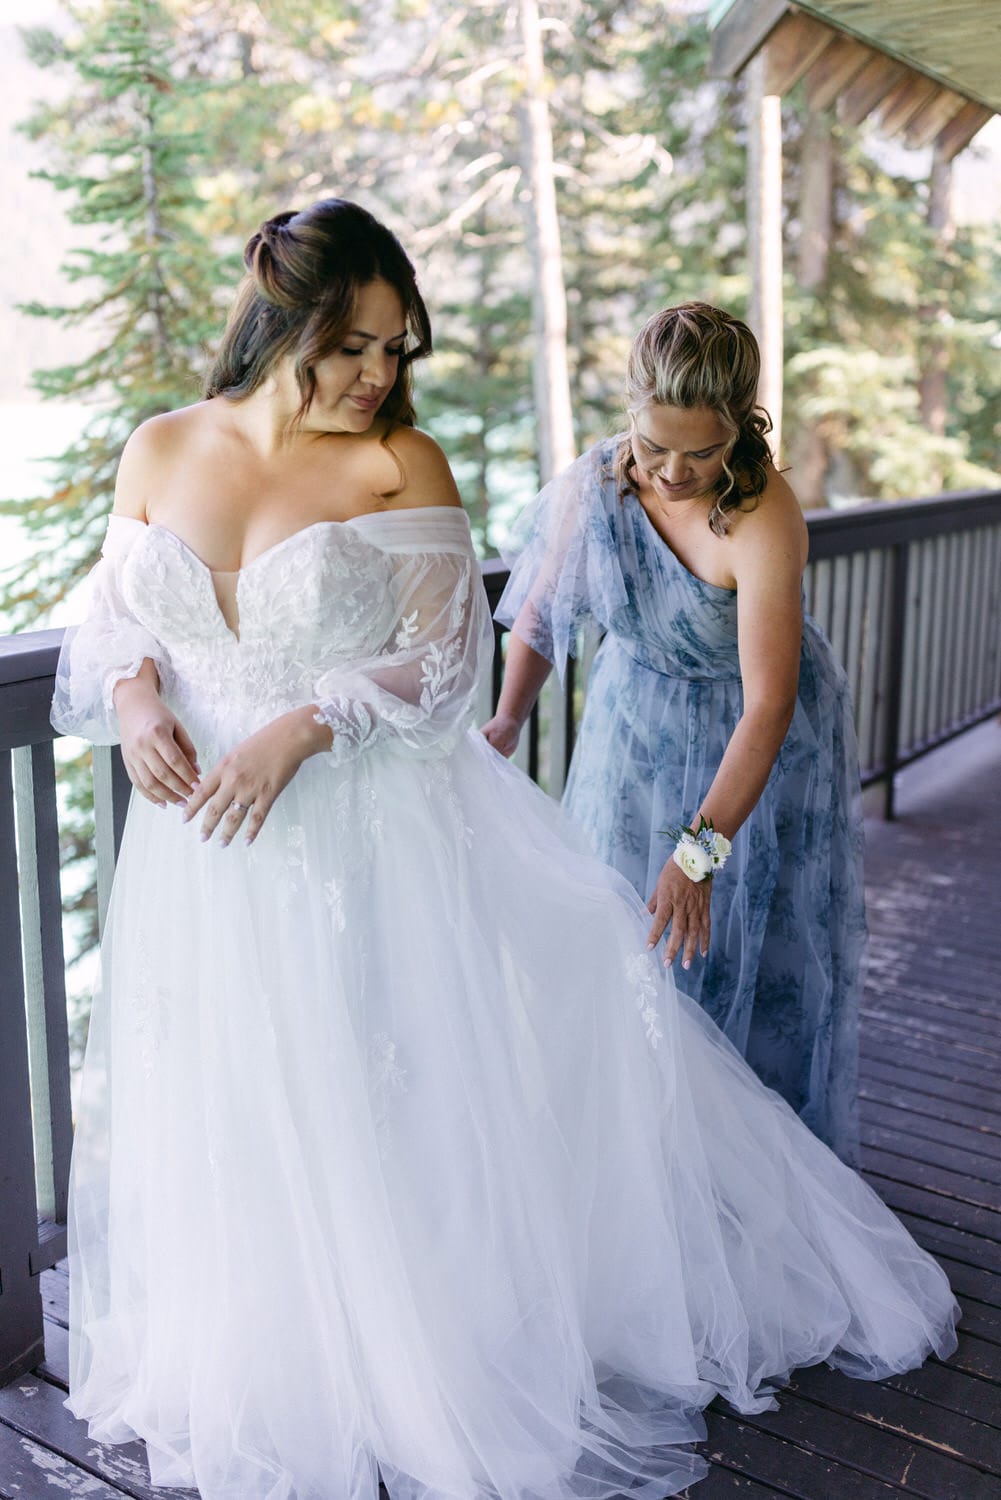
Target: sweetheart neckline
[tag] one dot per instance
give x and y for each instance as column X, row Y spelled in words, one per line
column 292, row 536
column 233, row 632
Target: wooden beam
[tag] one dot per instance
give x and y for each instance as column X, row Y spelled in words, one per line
column 833, row 70
column 744, row 28
column 903, row 102
column 961, row 129
column 932, row 118
column 869, row 88
column 795, row 44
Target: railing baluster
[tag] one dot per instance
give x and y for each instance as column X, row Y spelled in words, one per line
column 112, row 791
column 856, row 622
column 993, row 636
column 928, row 628
column 940, row 637
column 962, row 666
column 895, row 664
column 866, row 683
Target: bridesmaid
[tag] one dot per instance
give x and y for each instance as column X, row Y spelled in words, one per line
column 712, row 696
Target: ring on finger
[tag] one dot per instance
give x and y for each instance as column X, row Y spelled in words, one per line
column 240, row 807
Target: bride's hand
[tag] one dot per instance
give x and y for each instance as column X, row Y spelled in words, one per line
column 242, row 788
column 157, row 750
column 683, row 905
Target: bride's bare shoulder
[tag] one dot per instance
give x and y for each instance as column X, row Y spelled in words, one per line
column 417, row 471
column 151, row 452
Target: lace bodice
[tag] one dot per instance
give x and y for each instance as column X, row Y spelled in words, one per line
column 380, row 620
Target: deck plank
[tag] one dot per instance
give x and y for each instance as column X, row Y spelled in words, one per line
column 880, row 1454
column 34, row 1408
column 32, row 1471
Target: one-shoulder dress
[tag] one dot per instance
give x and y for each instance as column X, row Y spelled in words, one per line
column 785, row 969
column 397, row 1155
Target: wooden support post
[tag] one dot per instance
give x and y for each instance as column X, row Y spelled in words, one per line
column 22, row 1344
column 764, row 236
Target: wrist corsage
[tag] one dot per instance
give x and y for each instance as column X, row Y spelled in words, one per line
column 701, row 851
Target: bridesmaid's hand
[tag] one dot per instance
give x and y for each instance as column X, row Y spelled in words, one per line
column 503, row 731
column 682, row 905
column 242, row 788
column 157, row 750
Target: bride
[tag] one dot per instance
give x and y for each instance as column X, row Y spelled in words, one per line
column 397, row 1152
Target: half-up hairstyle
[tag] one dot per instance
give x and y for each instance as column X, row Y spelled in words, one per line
column 696, row 355
column 304, row 271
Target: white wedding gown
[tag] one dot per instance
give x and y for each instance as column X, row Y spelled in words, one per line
column 396, row 1152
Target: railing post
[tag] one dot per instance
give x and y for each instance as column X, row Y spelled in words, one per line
column 45, row 991
column 895, row 674
column 112, row 790
column 22, row 1344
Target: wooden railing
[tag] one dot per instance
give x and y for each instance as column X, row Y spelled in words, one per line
column 910, row 594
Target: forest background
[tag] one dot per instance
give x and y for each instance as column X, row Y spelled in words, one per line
column 169, row 128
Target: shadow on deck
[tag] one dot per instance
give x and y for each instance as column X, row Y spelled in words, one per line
column 931, row 1112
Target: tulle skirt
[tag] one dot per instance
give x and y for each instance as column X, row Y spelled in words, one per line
column 398, row 1155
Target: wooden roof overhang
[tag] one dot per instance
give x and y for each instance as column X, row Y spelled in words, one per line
column 928, row 71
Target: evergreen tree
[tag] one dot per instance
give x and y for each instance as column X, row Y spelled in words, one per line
column 857, row 335
column 128, row 160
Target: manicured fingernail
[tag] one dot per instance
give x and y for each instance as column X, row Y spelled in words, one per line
column 224, row 843
column 687, row 964
column 204, row 837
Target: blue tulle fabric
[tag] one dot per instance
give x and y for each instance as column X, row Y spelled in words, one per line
column 785, row 968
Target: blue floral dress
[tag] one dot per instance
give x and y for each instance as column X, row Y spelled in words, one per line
column 784, row 973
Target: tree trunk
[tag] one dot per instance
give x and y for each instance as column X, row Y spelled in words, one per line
column 154, row 233
column 816, row 202
column 551, row 379
column 934, row 352
column 764, row 236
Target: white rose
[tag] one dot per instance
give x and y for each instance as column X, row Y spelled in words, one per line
column 694, row 860
column 724, row 848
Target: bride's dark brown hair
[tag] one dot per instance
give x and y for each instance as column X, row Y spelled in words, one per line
column 304, row 272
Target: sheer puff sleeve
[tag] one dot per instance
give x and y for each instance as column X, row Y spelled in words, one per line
column 110, row 644
column 566, row 577
column 417, row 693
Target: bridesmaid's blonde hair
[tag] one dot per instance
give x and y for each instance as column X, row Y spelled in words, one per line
column 698, row 355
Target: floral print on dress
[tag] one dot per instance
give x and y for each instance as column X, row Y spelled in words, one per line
column 785, row 968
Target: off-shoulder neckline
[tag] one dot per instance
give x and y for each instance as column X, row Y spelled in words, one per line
column 368, row 515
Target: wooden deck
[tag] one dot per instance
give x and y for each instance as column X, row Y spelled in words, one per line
column 932, row 1134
